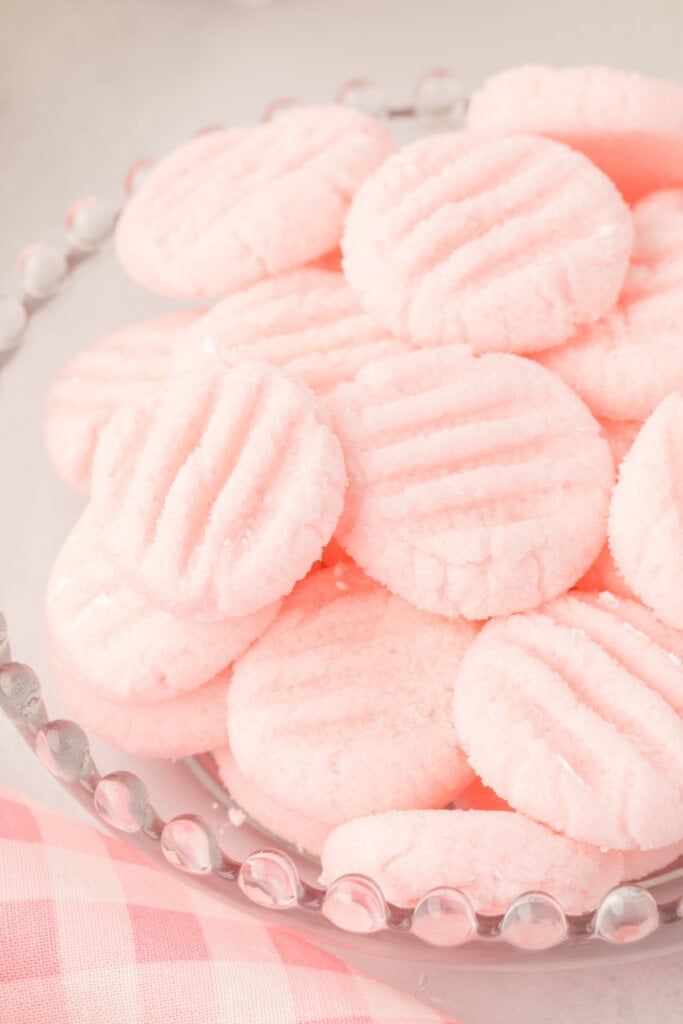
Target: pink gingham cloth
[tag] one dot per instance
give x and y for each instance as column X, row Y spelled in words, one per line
column 90, row 933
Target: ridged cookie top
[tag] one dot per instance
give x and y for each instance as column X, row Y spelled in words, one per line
column 233, row 207
column 574, row 714
column 646, row 515
column 123, row 368
column 478, row 486
column 504, row 244
column 625, row 364
column 218, row 498
column 349, row 693
column 308, row 321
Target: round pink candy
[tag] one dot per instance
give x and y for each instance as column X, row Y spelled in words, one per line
column 343, row 706
column 646, row 516
column 478, row 486
column 229, row 208
column 128, row 648
column 491, row 856
column 124, row 368
column 574, row 715
column 629, row 125
column 504, row 244
column 217, row 499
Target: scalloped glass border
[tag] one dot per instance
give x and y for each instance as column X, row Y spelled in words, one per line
column 269, row 879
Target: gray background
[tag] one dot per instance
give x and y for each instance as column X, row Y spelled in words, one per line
column 89, row 86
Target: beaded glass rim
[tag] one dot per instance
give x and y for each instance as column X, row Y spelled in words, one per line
column 269, row 878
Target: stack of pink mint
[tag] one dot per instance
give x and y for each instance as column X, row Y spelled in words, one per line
column 398, row 521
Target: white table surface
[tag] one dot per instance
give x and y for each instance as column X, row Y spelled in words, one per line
column 89, row 86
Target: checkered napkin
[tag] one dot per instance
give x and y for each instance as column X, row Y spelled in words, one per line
column 92, row 934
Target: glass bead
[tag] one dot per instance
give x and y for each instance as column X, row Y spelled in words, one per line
column 270, row 879
column 42, row 268
column 12, row 323
column 627, row 914
column 444, row 917
column 355, row 904
column 534, row 921
column 363, row 94
column 439, row 94
column 136, row 175
column 63, row 749
column 89, row 223
column 189, row 844
column 122, row 801
column 20, row 697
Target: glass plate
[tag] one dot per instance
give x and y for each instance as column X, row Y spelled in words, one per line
column 181, row 818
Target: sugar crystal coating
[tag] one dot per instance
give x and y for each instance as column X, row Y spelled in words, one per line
column 478, row 486
column 445, row 239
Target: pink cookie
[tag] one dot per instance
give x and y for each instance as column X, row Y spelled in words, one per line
column 218, row 499
column 445, row 239
column 232, row 207
column 491, row 856
column 574, row 715
column 343, row 707
column 124, row 368
column 639, row 864
column 188, row 723
column 626, row 363
column 308, row 321
column 306, row 834
column 603, row 574
column 646, row 517
column 479, row 486
column 126, row 647
column 630, row 126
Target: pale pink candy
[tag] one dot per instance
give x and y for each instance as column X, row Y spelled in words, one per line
column 128, row 648
column 639, row 864
column 491, row 856
column 574, row 715
column 308, row 321
column 188, row 723
column 233, row 207
column 125, row 367
column 626, row 363
column 479, row 486
column 629, row 125
column 302, row 832
column 343, row 707
column 219, row 498
column 505, row 244
column 646, row 516
column 603, row 574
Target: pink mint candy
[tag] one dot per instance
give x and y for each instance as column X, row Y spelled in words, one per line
column 478, row 486
column 629, row 125
column 302, row 832
column 646, row 516
column 308, row 321
column 124, row 368
column 625, row 364
column 504, row 244
column 230, row 208
column 491, row 856
column 128, row 648
column 217, row 499
column 187, row 723
column 574, row 715
column 343, row 706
